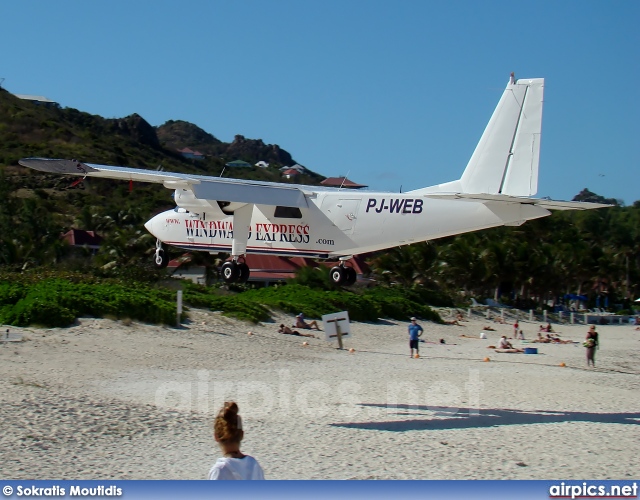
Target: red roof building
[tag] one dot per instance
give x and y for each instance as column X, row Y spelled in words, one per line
column 81, row 238
column 268, row 268
column 341, row 182
column 264, row 268
column 191, row 154
column 290, row 173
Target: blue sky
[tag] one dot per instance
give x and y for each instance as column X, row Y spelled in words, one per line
column 394, row 93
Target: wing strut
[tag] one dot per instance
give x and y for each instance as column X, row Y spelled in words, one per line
column 241, row 225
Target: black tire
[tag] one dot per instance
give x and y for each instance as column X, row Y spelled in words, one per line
column 229, row 272
column 350, row 276
column 243, row 272
column 160, row 259
column 337, row 275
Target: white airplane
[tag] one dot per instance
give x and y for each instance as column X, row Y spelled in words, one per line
column 215, row 214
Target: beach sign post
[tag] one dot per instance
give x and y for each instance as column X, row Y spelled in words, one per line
column 178, row 308
column 336, row 327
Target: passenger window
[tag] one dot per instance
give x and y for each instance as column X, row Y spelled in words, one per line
column 288, row 213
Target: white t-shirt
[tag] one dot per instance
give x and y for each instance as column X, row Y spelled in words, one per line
column 504, row 343
column 246, row 467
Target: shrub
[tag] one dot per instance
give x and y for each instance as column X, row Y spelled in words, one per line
column 10, row 293
column 38, row 311
column 65, row 300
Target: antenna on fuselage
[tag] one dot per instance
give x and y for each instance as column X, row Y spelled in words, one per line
column 344, row 179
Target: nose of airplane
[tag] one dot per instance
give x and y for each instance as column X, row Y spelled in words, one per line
column 150, row 226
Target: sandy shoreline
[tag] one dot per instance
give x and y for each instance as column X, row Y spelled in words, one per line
column 105, row 400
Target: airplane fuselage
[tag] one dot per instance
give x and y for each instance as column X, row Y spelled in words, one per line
column 336, row 224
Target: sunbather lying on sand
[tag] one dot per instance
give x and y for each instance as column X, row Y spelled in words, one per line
column 288, row 331
column 551, row 339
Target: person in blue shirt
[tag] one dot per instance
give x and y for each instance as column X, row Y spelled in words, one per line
column 415, row 330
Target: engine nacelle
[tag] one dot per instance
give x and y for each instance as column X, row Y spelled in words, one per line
column 205, row 209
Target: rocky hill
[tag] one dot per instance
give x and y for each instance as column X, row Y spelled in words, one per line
column 28, row 129
column 178, row 134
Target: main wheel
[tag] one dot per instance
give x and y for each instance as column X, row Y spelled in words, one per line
column 243, row 272
column 230, row 272
column 160, row 259
column 337, row 275
column 351, row 276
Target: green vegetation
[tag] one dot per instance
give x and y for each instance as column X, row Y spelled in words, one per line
column 364, row 306
column 56, row 302
column 57, row 299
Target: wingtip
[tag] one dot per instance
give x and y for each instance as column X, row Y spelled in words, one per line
column 57, row 166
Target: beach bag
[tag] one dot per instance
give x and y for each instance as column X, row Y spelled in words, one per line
column 589, row 343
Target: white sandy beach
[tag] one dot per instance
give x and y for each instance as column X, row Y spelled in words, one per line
column 106, row 400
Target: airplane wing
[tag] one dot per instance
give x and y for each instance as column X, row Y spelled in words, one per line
column 501, row 198
column 204, row 187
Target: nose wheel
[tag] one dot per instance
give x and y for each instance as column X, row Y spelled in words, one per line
column 234, row 271
column 343, row 275
column 160, row 258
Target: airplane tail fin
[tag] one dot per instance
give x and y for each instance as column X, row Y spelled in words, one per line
column 505, row 160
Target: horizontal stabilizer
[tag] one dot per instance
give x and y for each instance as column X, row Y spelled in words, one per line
column 501, row 198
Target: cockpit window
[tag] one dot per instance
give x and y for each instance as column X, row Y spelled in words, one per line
column 288, row 213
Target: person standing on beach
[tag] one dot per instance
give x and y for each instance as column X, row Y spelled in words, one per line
column 227, row 431
column 591, row 343
column 415, row 331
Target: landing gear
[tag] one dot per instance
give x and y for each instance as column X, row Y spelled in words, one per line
column 160, row 258
column 343, row 275
column 243, row 276
column 234, row 272
column 352, row 276
column 229, row 272
column 337, row 275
